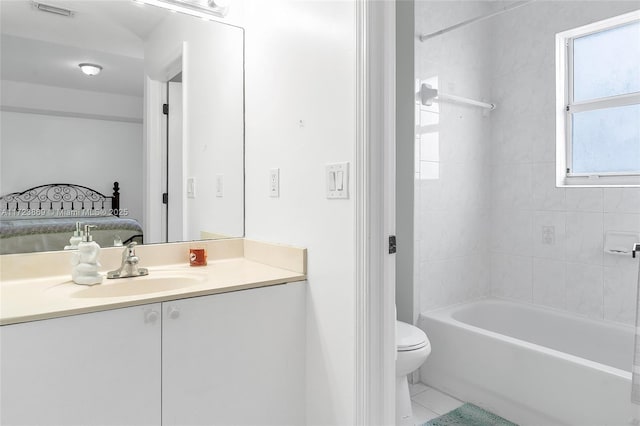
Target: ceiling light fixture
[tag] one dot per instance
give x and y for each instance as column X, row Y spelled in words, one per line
column 53, row 9
column 200, row 8
column 90, row 69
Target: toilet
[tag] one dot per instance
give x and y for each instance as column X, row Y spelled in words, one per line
column 413, row 348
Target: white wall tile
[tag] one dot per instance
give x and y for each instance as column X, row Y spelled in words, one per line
column 511, row 232
column 584, row 238
column 544, row 147
column 510, row 146
column 620, row 286
column 429, row 170
column 512, row 186
column 441, row 235
column 430, row 147
column 495, row 187
column 549, row 287
column 549, row 219
column 519, row 95
column 523, row 130
column 545, row 194
column 512, row 277
column 585, row 289
column 449, row 281
column 428, row 118
column 622, row 200
column 450, row 234
column 464, row 136
column 416, row 159
column 433, row 285
column 584, row 199
column 431, row 195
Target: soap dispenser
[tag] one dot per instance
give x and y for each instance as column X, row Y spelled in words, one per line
column 76, row 238
column 85, row 260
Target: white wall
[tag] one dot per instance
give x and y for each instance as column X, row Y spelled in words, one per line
column 573, row 273
column 213, row 127
column 64, row 101
column 452, row 159
column 300, row 62
column 57, row 146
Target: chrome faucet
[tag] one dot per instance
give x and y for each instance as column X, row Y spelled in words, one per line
column 129, row 267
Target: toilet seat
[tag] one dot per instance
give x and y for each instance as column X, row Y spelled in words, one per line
column 409, row 337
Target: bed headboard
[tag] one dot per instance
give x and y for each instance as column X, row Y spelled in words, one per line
column 63, row 197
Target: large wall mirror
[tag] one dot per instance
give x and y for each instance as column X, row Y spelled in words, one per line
column 159, row 111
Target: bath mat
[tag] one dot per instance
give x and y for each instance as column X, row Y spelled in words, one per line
column 469, row 415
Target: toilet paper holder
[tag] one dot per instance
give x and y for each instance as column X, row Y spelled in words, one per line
column 621, row 243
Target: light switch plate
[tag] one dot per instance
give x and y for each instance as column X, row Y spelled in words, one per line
column 337, row 176
column 191, row 187
column 274, row 183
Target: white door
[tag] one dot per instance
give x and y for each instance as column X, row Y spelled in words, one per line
column 99, row 368
column 235, row 358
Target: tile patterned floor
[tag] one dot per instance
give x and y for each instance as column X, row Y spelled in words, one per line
column 428, row 403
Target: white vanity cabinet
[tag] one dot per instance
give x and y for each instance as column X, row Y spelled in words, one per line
column 235, row 358
column 100, row 368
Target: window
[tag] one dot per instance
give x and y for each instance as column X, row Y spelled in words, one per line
column 598, row 103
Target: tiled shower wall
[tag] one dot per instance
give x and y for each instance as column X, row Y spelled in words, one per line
column 452, row 160
column 573, row 272
column 485, row 185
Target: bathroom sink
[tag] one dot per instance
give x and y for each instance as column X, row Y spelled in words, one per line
column 155, row 282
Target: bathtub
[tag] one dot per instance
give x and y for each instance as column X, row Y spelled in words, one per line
column 531, row 365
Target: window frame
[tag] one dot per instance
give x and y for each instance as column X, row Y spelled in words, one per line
column 565, row 107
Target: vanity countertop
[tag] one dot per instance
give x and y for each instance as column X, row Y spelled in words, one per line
column 26, row 298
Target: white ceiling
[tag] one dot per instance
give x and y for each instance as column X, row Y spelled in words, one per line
column 44, row 48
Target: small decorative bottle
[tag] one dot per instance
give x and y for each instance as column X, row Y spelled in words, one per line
column 76, row 238
column 85, row 260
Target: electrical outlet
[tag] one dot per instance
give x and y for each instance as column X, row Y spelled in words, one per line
column 549, row 235
column 274, row 183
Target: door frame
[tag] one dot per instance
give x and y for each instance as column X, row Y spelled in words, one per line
column 175, row 225
column 375, row 348
column 153, row 139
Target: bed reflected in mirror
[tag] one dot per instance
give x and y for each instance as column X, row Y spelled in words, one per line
column 159, row 113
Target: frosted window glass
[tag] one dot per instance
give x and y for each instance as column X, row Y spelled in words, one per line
column 607, row 63
column 606, row 140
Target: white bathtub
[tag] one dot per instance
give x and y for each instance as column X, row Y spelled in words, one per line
column 531, row 365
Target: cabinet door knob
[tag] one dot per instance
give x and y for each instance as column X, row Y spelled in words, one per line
column 173, row 312
column 150, row 316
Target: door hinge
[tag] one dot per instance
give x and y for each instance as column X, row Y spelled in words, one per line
column 165, row 198
column 392, row 244
column 165, row 109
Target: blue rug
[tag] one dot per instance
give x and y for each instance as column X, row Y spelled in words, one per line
column 469, row 415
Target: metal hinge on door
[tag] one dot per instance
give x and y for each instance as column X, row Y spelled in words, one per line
column 392, row 244
column 165, row 198
column 165, row 109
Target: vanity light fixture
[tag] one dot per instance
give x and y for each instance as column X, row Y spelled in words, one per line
column 200, row 8
column 90, row 69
